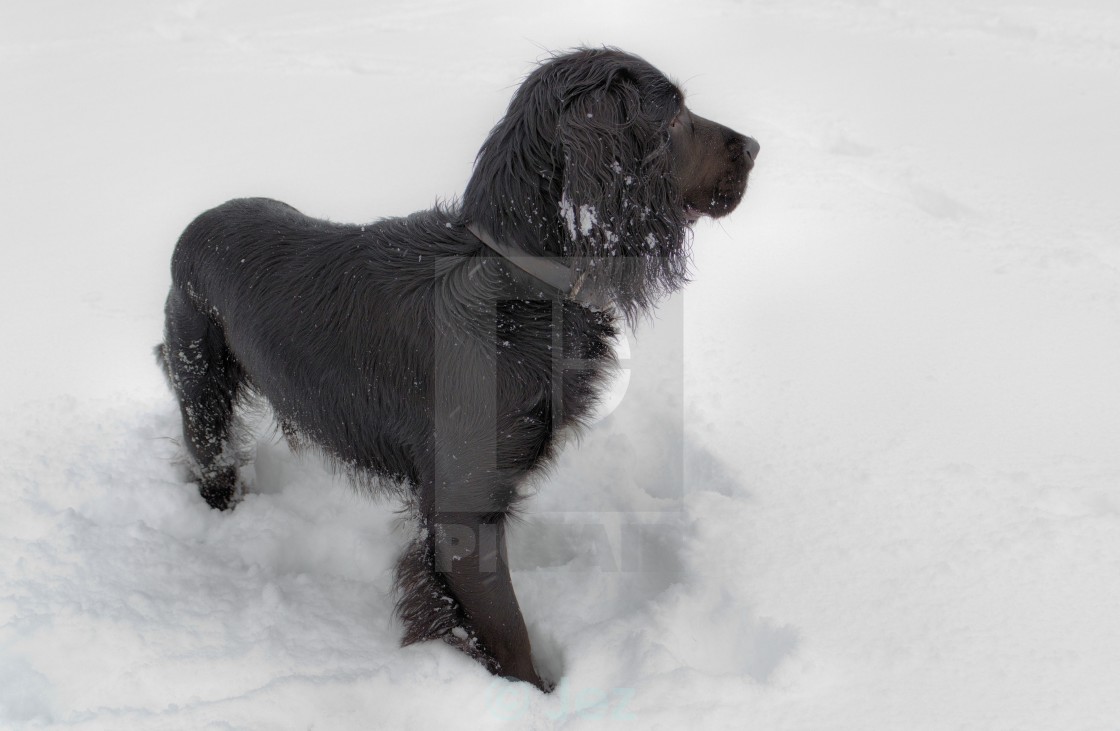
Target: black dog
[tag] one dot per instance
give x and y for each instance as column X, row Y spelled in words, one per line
column 443, row 354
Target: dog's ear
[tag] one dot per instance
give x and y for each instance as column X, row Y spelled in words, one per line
column 620, row 205
column 602, row 160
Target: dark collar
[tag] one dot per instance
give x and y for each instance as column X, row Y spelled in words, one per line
column 568, row 281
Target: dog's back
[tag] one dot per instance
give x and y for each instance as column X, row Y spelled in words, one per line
column 329, row 322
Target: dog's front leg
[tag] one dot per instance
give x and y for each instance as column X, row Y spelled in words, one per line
column 454, row 584
column 454, row 581
column 470, row 555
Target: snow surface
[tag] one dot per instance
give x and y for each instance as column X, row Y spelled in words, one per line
column 900, row 412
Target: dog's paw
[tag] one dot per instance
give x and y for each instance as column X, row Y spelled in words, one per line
column 220, row 489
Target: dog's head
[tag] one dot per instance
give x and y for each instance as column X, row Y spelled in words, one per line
column 598, row 159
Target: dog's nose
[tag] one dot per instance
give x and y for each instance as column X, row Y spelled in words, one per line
column 752, row 147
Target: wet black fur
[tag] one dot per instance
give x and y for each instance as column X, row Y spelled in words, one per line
column 416, row 357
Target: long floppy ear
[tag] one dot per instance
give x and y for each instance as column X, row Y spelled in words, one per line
column 600, row 162
column 620, row 207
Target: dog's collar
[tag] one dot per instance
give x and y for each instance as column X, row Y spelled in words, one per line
column 565, row 279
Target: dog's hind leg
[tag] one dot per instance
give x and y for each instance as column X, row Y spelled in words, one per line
column 206, row 378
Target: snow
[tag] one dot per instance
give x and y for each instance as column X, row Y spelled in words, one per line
column 585, row 215
column 889, row 496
